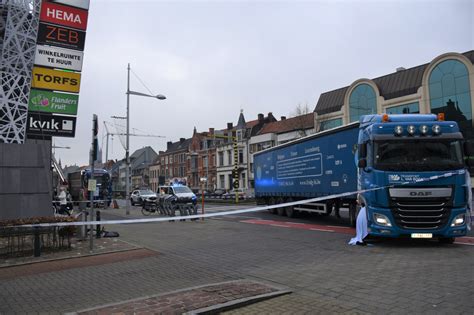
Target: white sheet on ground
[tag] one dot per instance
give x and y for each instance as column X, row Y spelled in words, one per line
column 361, row 227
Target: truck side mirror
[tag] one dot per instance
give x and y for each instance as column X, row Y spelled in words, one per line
column 362, row 163
column 362, row 150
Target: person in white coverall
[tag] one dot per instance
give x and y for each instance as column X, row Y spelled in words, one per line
column 361, row 225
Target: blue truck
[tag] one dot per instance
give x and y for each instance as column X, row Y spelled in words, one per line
column 79, row 180
column 411, row 167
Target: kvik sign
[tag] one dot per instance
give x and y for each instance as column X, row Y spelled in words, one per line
column 40, row 124
column 63, row 15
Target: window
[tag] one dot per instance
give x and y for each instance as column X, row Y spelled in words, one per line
column 242, row 182
column 329, row 124
column 222, row 181
column 229, row 157
column 239, row 135
column 410, row 108
column 362, row 101
column 241, row 156
column 166, row 160
column 221, row 158
column 204, row 161
column 449, row 94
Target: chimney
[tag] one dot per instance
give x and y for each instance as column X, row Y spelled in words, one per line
column 168, row 144
column 400, row 69
column 181, row 140
column 211, row 131
column 270, row 117
column 260, row 117
column 229, row 125
column 283, row 117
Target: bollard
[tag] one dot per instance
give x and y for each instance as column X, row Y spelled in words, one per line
column 97, row 227
column 37, row 245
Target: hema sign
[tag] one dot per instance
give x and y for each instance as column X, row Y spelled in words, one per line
column 53, row 102
column 63, row 15
column 41, row 124
column 56, row 57
column 56, row 80
column 60, row 36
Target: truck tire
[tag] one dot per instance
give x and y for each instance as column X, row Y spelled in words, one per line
column 446, row 240
column 290, row 210
column 271, row 201
column 281, row 211
column 131, row 202
column 353, row 212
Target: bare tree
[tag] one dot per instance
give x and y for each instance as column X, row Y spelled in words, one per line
column 298, row 114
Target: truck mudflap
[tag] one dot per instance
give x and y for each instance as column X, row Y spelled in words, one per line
column 381, row 222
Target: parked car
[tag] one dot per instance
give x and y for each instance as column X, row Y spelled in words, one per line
column 179, row 194
column 218, row 193
column 231, row 194
column 139, row 195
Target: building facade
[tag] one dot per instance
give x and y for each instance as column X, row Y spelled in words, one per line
column 446, row 84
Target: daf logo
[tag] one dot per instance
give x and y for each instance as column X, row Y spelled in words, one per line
column 420, row 193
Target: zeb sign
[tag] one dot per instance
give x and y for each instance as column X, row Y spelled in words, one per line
column 63, row 15
column 40, row 124
column 60, row 36
column 56, row 80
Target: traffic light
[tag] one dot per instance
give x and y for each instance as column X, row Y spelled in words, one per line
column 95, row 142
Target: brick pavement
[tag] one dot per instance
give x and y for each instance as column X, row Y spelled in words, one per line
column 325, row 274
column 200, row 299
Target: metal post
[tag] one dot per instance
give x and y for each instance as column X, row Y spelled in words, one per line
column 127, row 157
column 107, row 149
column 97, row 227
column 93, row 158
column 37, row 243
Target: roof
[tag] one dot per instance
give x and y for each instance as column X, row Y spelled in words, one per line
column 178, row 146
column 139, row 152
column 393, row 85
column 291, row 124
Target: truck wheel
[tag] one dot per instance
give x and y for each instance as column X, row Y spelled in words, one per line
column 131, row 202
column 353, row 212
column 290, row 210
column 446, row 240
column 271, row 202
column 281, row 210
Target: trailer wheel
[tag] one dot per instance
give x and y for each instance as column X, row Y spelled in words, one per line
column 281, row 210
column 290, row 210
column 271, row 201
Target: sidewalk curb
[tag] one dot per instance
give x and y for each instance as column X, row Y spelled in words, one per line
column 72, row 257
column 216, row 309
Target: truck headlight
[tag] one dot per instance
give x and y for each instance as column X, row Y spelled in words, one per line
column 381, row 219
column 398, row 130
column 458, row 220
column 411, row 130
column 436, row 129
column 424, row 130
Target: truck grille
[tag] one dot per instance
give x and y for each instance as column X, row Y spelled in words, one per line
column 421, row 213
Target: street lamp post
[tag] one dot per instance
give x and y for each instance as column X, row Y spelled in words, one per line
column 127, row 153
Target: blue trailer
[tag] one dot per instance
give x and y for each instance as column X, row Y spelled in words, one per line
column 416, row 163
column 319, row 165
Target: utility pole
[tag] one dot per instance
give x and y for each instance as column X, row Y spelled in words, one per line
column 91, row 182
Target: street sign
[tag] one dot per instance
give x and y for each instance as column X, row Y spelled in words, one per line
column 56, row 57
column 83, row 4
column 53, row 102
column 43, row 124
column 56, row 80
column 63, row 15
column 61, row 36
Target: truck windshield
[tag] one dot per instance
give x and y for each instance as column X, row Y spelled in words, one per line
column 418, row 155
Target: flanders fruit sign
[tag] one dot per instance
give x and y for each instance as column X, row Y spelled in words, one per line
column 56, row 80
column 45, row 101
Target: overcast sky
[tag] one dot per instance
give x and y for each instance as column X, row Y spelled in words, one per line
column 213, row 58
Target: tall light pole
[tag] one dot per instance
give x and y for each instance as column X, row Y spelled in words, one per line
column 127, row 154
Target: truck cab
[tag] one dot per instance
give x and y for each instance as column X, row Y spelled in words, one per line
column 414, row 168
